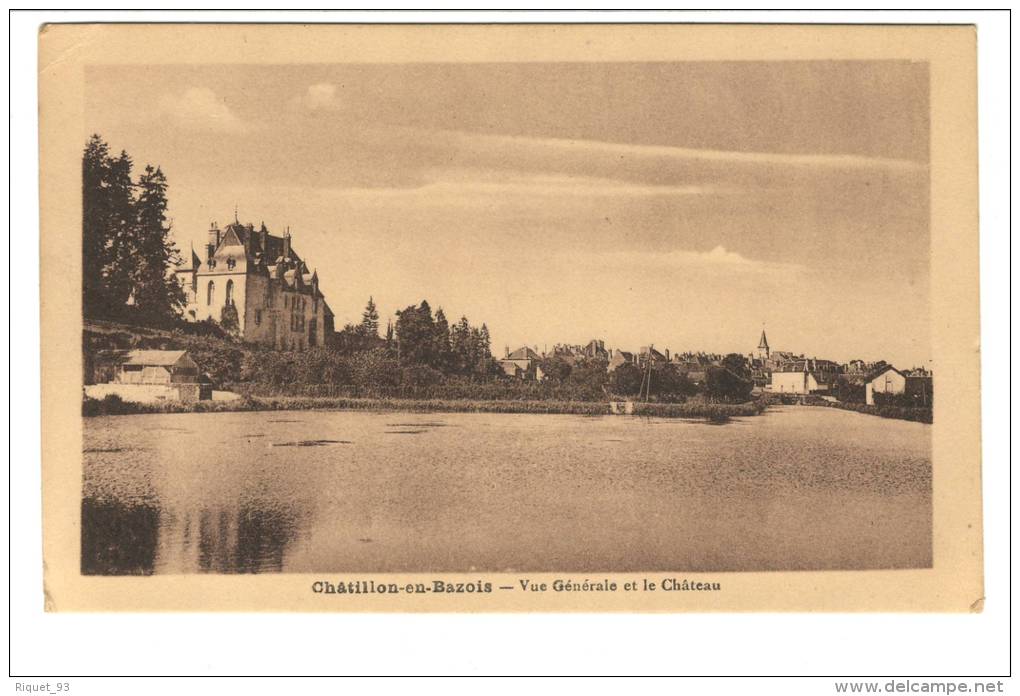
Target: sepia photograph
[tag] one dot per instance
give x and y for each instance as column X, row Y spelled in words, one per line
column 568, row 317
column 577, row 325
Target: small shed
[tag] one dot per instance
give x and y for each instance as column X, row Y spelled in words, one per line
column 147, row 367
column 145, row 375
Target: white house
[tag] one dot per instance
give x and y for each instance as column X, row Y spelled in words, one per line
column 803, row 376
column 886, row 380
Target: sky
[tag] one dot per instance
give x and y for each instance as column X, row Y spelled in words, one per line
column 686, row 205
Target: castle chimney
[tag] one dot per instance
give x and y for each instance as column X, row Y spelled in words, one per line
column 506, row 351
column 214, row 237
column 286, row 244
column 263, row 241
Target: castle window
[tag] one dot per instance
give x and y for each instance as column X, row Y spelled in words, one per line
column 230, row 262
column 258, row 317
column 210, row 293
column 230, row 292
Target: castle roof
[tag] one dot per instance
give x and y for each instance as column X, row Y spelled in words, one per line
column 763, row 343
column 251, row 239
column 523, row 353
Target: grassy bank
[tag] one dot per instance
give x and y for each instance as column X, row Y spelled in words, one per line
column 919, row 415
column 909, row 413
column 700, row 409
column 112, row 405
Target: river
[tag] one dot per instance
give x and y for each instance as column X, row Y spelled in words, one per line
column 797, row 488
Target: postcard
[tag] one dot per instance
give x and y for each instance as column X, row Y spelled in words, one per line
column 490, row 318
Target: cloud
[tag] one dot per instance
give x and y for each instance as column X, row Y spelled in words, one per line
column 716, row 261
column 732, row 157
column 198, row 108
column 440, row 182
column 320, row 96
column 661, row 165
column 543, row 166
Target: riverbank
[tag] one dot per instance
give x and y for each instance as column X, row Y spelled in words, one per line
column 918, row 415
column 907, row 413
column 113, row 406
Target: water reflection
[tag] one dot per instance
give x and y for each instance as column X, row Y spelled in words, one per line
column 139, row 539
column 376, row 492
column 118, row 539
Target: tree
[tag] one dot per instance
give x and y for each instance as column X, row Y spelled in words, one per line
column 94, row 225
column 122, row 233
column 374, row 368
column 157, row 295
column 483, row 364
column 127, row 254
column 416, row 335
column 848, row 392
column 441, row 342
column 669, row 384
column 462, row 356
column 107, row 221
column 737, row 364
column 370, row 319
column 389, row 333
column 350, row 339
column 723, row 385
column 589, row 376
column 556, row 368
column 626, row 379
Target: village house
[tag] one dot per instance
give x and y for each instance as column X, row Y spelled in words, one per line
column 255, row 284
column 522, row 364
column 596, row 350
column 804, row 376
column 620, row 357
column 146, row 376
column 886, row 380
column 649, row 353
column 695, row 366
column 920, row 385
column 570, row 353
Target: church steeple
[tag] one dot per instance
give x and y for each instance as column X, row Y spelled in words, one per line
column 763, row 346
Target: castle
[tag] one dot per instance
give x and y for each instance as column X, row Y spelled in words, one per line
column 255, row 285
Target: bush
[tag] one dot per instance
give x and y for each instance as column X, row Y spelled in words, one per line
column 626, row 380
column 109, row 405
column 723, row 385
